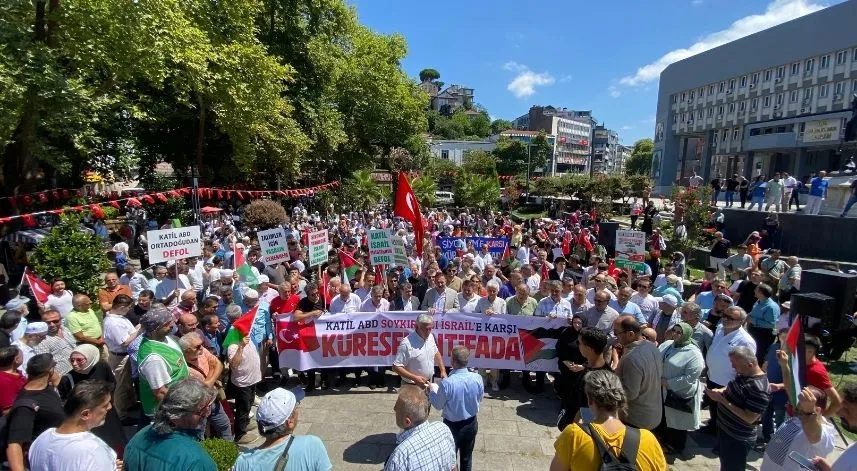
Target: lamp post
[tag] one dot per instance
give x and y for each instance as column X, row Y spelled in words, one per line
column 528, row 172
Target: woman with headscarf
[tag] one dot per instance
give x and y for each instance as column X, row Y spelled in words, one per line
column 86, row 364
column 683, row 363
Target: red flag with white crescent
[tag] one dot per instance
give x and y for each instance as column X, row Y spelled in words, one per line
column 38, row 286
column 408, row 208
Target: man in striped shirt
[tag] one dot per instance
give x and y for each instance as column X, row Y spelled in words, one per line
column 739, row 406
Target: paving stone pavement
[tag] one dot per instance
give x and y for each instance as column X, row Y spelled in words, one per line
column 516, row 430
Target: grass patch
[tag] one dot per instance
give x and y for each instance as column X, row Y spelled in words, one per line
column 529, row 212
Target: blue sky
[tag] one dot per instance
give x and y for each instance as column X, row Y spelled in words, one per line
column 601, row 55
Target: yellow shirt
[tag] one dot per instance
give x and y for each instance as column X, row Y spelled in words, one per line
column 577, row 450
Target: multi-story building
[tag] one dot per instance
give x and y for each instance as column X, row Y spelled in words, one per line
column 623, row 153
column 452, row 98
column 573, row 131
column 605, row 143
column 454, row 150
column 774, row 101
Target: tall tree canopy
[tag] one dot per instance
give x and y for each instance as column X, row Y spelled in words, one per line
column 640, row 162
column 237, row 88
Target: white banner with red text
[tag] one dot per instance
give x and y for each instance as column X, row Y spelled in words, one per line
column 372, row 339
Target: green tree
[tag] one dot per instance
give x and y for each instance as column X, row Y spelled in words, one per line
column 72, row 255
column 429, row 75
column 541, row 151
column 264, row 214
column 511, row 156
column 500, row 125
column 361, row 192
column 424, row 188
column 480, row 125
column 640, row 162
column 480, row 162
column 476, row 191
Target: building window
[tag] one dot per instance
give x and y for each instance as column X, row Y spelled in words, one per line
column 838, row 88
column 854, row 86
column 736, row 134
column 732, row 84
column 692, row 94
column 796, row 68
column 721, row 87
column 793, row 96
column 855, row 56
column 781, row 72
column 701, row 92
column 699, row 114
column 731, row 107
column 755, row 132
column 755, row 78
column 743, row 82
column 683, row 117
column 840, row 57
column 725, row 135
column 711, row 89
column 753, row 103
column 824, row 62
column 822, row 91
column 710, row 112
column 682, row 96
column 767, row 76
column 766, row 102
column 807, row 94
column 675, row 99
column 780, row 99
column 809, row 64
column 444, row 154
column 742, row 106
column 720, row 111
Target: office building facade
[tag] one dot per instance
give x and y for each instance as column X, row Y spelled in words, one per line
column 573, row 133
column 774, row 101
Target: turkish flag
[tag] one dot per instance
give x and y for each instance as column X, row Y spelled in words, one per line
column 38, row 287
column 408, row 208
column 296, row 335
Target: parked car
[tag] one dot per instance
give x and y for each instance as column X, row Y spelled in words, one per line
column 443, row 197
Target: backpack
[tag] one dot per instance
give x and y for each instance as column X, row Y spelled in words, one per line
column 627, row 459
column 4, row 426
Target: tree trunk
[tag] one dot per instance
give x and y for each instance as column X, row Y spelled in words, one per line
column 200, row 135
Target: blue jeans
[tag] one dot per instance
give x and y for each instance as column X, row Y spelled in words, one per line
column 850, row 203
column 730, row 198
column 732, row 452
column 220, row 425
column 772, row 419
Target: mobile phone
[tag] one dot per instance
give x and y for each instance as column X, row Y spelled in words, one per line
column 802, row 461
column 567, row 363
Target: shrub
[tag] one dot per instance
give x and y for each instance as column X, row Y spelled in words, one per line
column 264, row 214
column 223, row 452
column 72, row 255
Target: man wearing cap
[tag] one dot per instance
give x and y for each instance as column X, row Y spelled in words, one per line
column 277, row 417
column 712, row 316
column 266, row 292
column 159, row 357
column 33, row 335
column 763, row 319
column 422, row 445
column 112, row 288
column 170, row 289
column 666, row 317
column 459, row 397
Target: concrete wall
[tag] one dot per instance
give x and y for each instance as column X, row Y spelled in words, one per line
column 824, row 237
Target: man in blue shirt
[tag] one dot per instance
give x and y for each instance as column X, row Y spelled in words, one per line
column 458, row 396
column 762, row 319
column 817, row 193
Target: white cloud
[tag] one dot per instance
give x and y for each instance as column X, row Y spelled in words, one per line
column 614, row 91
column 777, row 12
column 524, row 84
column 627, row 128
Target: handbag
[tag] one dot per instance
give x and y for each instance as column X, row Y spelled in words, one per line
column 674, row 401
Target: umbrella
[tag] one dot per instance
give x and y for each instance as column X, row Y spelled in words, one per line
column 209, row 210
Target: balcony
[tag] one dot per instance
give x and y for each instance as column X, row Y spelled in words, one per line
column 771, row 141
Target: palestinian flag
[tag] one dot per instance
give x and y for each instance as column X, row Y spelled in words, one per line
column 795, row 349
column 348, row 264
column 242, row 266
column 539, row 343
column 240, row 328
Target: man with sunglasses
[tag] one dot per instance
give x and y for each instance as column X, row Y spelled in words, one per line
column 720, row 371
column 59, row 342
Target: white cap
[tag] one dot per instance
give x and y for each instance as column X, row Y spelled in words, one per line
column 668, row 299
column 171, row 263
column 263, row 279
column 299, row 265
column 36, row 328
column 276, row 407
column 226, row 273
column 251, row 293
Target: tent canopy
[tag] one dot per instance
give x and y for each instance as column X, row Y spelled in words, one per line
column 209, row 210
column 35, row 236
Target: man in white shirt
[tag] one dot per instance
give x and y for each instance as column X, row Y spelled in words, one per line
column 170, row 289
column 417, row 355
column 346, row 301
column 807, row 433
column 600, row 287
column 467, row 299
column 730, row 334
column 484, row 258
column 34, row 334
column 554, row 305
column 71, row 446
column 790, row 184
column 118, row 334
column 375, row 302
column 135, row 281
column 491, row 304
column 848, row 416
column 531, row 278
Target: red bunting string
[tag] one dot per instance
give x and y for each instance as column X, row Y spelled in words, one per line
column 97, row 208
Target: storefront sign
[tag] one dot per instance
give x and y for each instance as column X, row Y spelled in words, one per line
column 822, row 130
